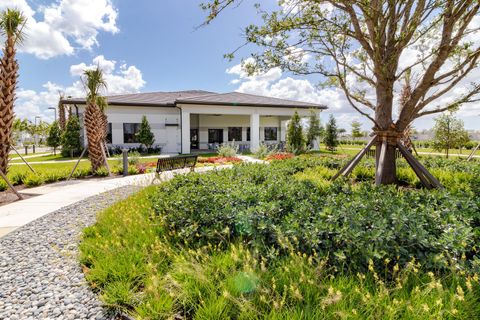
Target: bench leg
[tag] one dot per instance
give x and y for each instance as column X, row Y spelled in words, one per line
column 158, row 176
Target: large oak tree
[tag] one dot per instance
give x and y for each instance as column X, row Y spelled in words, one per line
column 367, row 48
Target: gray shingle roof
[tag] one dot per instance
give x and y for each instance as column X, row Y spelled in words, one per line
column 199, row 97
column 244, row 99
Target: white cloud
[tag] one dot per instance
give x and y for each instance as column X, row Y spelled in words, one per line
column 120, row 79
column 67, row 25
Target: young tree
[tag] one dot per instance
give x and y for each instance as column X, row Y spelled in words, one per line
column 11, row 28
column 331, row 134
column 365, row 48
column 356, row 129
column 295, row 138
column 449, row 133
column 314, row 130
column 54, row 138
column 95, row 119
column 71, row 138
column 145, row 134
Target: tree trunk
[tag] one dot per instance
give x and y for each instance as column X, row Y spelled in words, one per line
column 95, row 135
column 8, row 81
column 389, row 171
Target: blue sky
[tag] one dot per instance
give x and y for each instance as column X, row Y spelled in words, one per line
column 150, row 45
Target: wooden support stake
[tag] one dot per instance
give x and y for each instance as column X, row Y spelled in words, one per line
column 416, row 169
column 106, row 160
column 470, row 157
column 76, row 164
column 346, row 170
column 30, row 167
column 432, row 180
column 10, row 185
column 381, row 163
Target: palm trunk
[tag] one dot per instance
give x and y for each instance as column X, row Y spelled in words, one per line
column 95, row 135
column 8, row 81
column 62, row 121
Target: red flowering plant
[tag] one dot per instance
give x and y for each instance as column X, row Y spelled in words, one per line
column 219, row 160
column 279, row 156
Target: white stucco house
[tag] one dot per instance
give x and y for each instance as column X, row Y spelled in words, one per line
column 185, row 121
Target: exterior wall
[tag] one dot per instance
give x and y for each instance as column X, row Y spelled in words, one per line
column 166, row 123
column 160, row 119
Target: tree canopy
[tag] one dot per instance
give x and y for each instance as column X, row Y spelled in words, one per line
column 366, row 48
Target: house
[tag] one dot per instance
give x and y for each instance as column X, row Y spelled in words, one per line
column 185, row 121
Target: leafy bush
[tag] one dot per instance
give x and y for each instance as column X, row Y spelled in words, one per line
column 138, row 268
column 3, row 185
column 101, row 172
column 115, row 150
column 33, row 180
column 17, row 178
column 227, row 150
column 263, row 151
column 267, row 209
column 132, row 170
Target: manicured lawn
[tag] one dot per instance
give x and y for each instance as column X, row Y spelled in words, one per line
column 284, row 242
column 46, row 157
column 345, row 148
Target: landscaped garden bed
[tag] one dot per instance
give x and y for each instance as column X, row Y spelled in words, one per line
column 282, row 241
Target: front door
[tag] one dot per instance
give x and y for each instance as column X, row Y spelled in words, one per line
column 194, row 139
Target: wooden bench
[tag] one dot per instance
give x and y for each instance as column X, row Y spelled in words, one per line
column 174, row 163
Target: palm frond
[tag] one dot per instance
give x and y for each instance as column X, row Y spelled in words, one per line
column 12, row 23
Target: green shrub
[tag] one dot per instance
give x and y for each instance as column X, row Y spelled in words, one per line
column 3, row 185
column 82, row 172
column 138, row 268
column 101, row 172
column 265, row 208
column 132, row 170
column 133, row 158
column 52, row 176
column 17, row 178
column 33, row 180
column 227, row 150
column 262, row 151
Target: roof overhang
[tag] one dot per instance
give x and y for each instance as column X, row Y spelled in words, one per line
column 192, row 102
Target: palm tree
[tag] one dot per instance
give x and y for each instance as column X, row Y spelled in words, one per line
column 11, row 27
column 95, row 119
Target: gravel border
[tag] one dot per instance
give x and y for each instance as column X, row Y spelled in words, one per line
column 40, row 277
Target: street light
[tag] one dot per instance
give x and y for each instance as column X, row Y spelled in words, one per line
column 54, row 110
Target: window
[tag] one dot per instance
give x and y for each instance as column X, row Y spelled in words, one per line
column 248, row 134
column 215, row 135
column 270, row 134
column 130, row 131
column 235, row 133
column 109, row 133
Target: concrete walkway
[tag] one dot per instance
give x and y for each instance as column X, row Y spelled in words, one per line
column 52, row 197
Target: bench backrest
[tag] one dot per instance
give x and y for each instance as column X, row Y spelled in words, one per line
column 176, row 162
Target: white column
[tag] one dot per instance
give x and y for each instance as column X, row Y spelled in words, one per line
column 185, row 132
column 254, row 132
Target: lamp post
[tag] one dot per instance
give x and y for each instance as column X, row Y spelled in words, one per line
column 55, row 112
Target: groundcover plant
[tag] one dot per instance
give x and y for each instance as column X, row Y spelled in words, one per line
column 281, row 241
